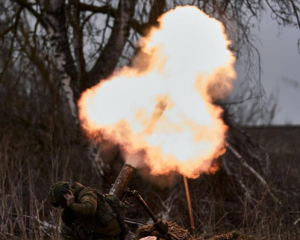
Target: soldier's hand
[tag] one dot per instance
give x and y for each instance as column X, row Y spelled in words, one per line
column 69, row 198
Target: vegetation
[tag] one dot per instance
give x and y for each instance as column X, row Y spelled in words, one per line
column 51, row 51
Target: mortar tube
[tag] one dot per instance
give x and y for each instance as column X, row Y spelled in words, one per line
column 122, row 181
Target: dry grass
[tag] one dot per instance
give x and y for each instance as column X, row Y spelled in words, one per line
column 24, row 211
column 29, row 164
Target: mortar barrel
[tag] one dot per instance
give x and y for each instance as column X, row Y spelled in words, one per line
column 122, row 181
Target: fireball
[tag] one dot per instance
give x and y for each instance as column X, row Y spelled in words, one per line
column 162, row 105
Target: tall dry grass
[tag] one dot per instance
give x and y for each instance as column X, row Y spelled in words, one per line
column 31, row 160
column 23, row 210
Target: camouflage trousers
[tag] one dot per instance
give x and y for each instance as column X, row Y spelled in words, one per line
column 68, row 233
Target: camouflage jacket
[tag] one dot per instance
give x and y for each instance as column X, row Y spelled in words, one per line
column 90, row 214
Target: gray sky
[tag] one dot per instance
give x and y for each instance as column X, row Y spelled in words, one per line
column 281, row 68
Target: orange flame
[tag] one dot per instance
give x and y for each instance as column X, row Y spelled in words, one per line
column 162, row 105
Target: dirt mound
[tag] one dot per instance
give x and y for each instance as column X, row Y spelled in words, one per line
column 149, row 230
column 234, row 235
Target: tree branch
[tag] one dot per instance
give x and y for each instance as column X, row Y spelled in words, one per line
column 296, row 12
column 156, row 10
column 95, row 9
column 14, row 26
column 252, row 170
column 38, row 16
column 74, row 19
column 140, row 28
column 10, row 53
column 109, row 57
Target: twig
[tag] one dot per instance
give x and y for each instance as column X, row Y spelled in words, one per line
column 252, row 170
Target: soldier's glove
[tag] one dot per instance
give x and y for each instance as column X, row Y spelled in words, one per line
column 161, row 227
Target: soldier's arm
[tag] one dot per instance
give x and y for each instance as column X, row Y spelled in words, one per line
column 86, row 207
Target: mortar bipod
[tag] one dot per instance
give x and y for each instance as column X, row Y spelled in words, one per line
column 160, row 226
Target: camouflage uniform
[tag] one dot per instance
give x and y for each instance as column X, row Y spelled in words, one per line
column 91, row 216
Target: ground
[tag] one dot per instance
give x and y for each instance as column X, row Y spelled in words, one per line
column 148, row 232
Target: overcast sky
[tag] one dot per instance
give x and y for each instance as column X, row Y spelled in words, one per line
column 281, row 68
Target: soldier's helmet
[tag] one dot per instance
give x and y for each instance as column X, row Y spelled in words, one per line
column 56, row 192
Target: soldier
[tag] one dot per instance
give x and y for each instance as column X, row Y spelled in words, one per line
column 87, row 214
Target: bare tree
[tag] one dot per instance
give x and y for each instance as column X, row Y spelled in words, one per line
column 54, row 50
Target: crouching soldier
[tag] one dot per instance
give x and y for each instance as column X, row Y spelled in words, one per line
column 88, row 214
